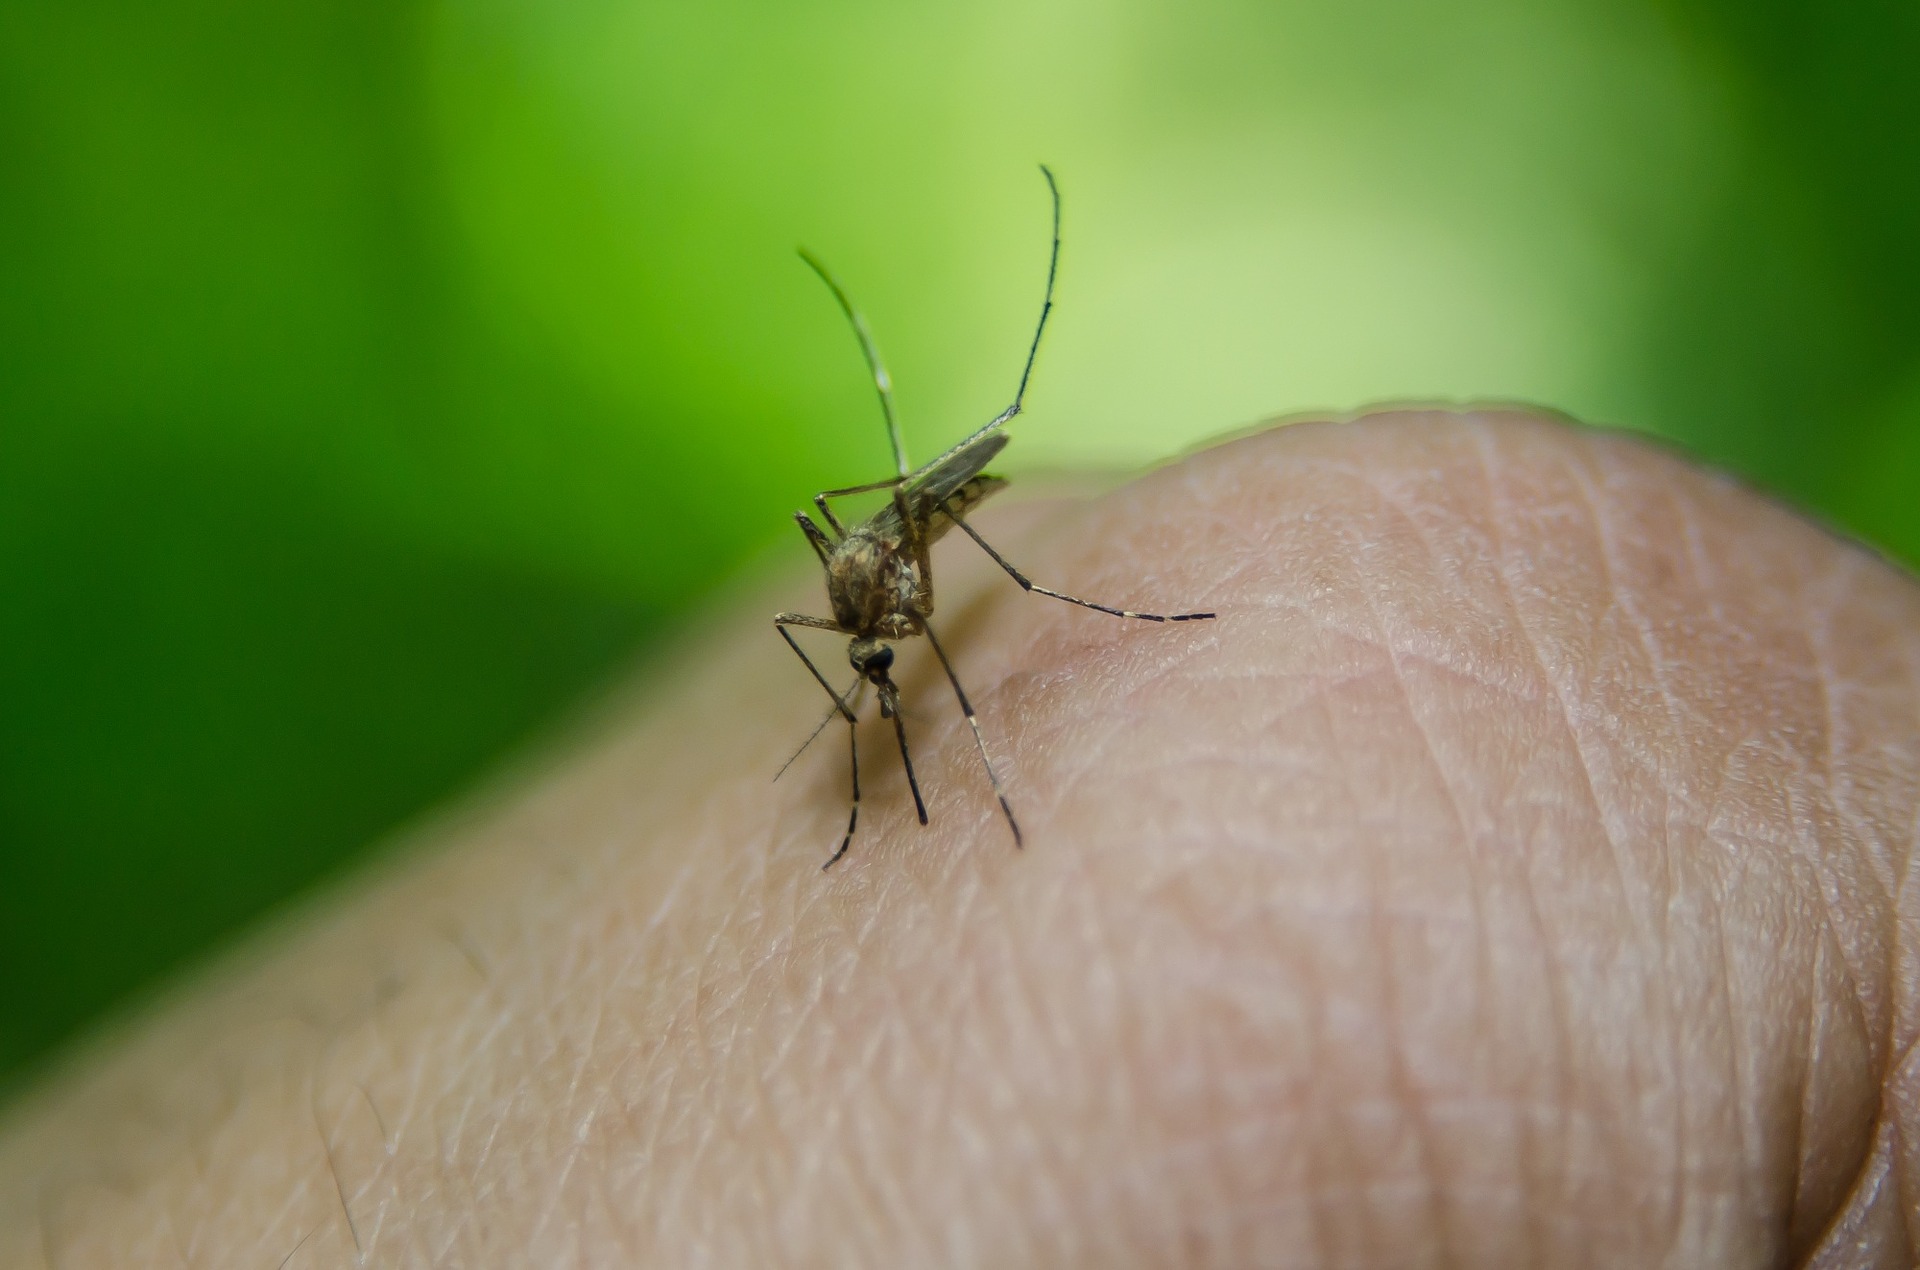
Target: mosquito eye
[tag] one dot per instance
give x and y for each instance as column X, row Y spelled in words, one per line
column 882, row 658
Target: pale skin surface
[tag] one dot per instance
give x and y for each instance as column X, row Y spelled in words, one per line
column 1515, row 874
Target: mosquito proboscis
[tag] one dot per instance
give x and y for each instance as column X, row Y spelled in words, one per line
column 880, row 574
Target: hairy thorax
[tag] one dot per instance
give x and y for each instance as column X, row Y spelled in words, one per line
column 872, row 581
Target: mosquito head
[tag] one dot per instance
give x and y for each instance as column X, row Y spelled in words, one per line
column 871, row 658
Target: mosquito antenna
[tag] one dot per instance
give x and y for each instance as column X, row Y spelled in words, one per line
column 882, row 380
column 847, row 698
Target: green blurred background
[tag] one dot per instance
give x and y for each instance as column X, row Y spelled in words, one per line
column 376, row 378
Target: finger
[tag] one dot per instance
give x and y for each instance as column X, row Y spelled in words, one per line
column 1511, row 875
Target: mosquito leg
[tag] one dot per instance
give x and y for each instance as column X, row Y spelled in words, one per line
column 914, row 530
column 853, row 806
column 966, row 708
column 817, row 537
column 1027, row 584
column 820, row 499
column 866, row 488
column 852, row 698
column 906, row 760
column 781, row 621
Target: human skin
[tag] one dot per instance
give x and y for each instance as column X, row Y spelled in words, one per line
column 1515, row 874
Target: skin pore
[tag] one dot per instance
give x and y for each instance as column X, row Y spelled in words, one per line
column 1515, row 874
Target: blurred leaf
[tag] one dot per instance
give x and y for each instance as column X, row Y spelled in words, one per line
column 215, row 690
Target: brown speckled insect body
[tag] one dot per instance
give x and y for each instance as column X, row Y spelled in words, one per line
column 879, row 573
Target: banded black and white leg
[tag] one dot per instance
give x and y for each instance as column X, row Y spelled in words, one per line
column 966, row 708
column 892, row 710
column 1027, row 584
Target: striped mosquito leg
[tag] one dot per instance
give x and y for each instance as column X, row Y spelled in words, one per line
column 1026, row 584
column 853, row 809
column 781, row 621
column 966, row 708
column 906, row 761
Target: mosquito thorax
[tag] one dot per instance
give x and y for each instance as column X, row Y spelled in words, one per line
column 872, row 585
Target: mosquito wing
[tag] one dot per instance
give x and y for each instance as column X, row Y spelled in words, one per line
column 955, row 468
column 955, row 478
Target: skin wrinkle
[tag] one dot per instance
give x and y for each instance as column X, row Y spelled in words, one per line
column 1898, row 1136
column 365, row 1195
column 1555, row 973
column 1727, row 961
column 293, row 1199
column 1828, row 677
column 1413, row 1105
column 1328, row 1144
column 346, row 1212
column 1608, row 537
column 1657, row 659
column 1706, row 579
column 1826, row 884
column 1803, row 1110
column 502, row 1018
column 1319, row 1145
column 945, row 977
column 1673, row 807
column 1715, row 910
column 1602, row 534
column 315, row 1095
column 1903, row 1146
column 1838, row 778
column 1621, row 598
column 1483, row 972
column 1826, row 936
column 1409, row 1105
column 569, row 1160
column 1617, row 601
column 1850, row 1233
column 1399, row 1106
column 1041, row 1244
column 1834, row 734
column 1053, row 911
column 1670, row 1028
column 1903, row 1067
column 173, row 1238
column 1579, row 742
column 941, row 1108
column 1027, row 1017
column 379, row 1213
column 903, row 1038
column 1120, row 1021
column 1837, row 782
column 296, row 1248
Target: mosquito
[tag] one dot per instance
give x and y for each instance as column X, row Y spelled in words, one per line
column 879, row 573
